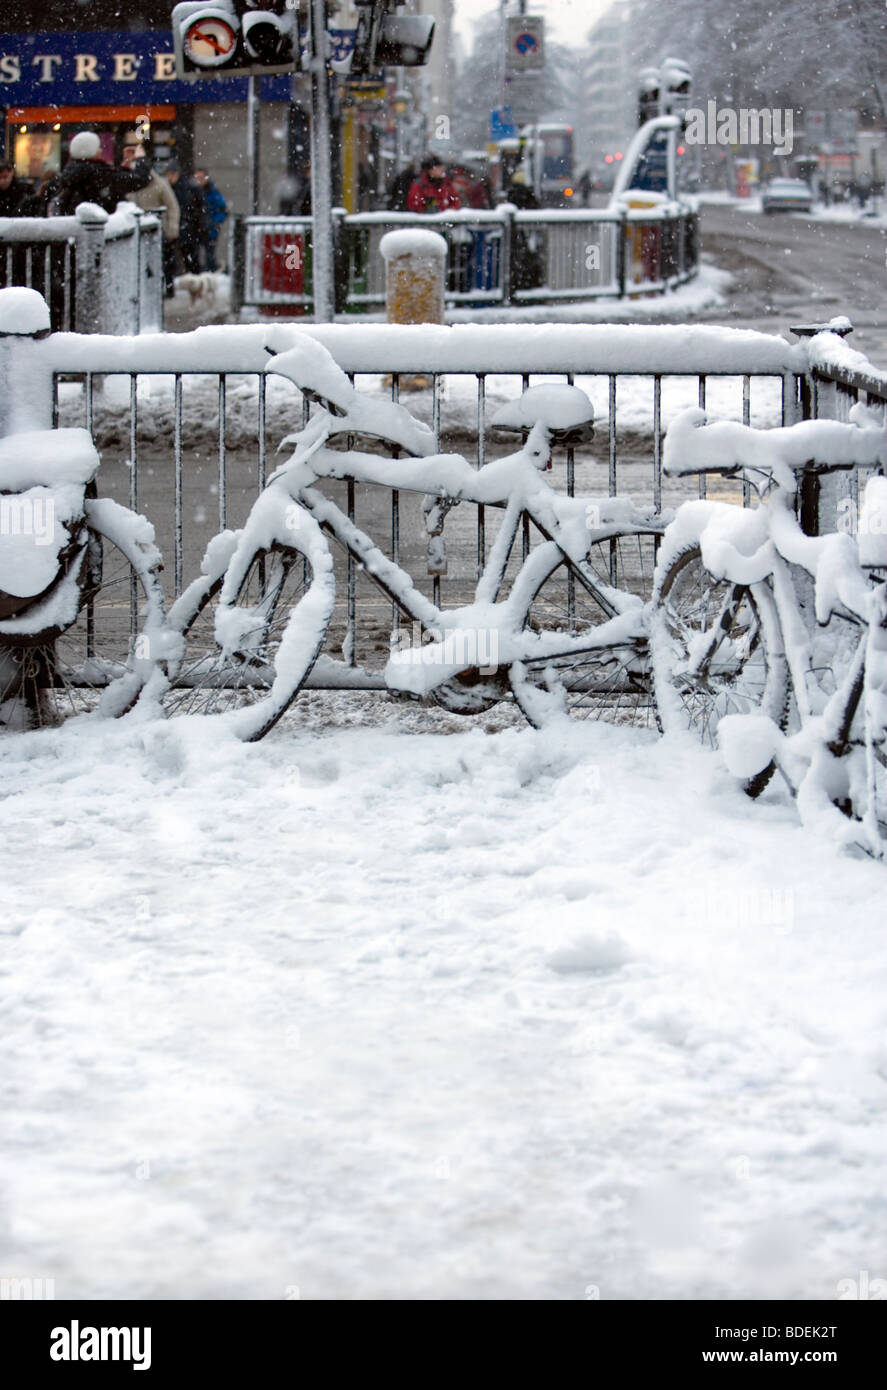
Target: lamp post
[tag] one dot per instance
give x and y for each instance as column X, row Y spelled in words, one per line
column 321, row 173
column 402, row 102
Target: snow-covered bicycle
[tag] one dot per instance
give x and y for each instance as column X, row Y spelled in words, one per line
column 772, row 643
column 82, row 624
column 563, row 630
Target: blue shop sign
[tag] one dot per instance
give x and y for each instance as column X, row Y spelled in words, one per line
column 108, row 69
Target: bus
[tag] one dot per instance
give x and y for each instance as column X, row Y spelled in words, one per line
column 544, row 153
column 552, row 164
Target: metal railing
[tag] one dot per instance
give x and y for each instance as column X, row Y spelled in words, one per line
column 499, row 257
column 188, row 423
column 99, row 273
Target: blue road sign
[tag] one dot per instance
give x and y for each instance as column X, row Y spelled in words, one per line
column 502, row 127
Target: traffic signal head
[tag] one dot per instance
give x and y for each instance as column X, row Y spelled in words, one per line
column 388, row 40
column 235, row 39
column 405, row 41
column 267, row 37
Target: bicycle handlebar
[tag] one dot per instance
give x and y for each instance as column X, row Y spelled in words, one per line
column 694, row 446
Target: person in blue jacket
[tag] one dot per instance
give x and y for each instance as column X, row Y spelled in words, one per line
column 217, row 213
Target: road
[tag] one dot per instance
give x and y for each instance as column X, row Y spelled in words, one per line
column 789, row 269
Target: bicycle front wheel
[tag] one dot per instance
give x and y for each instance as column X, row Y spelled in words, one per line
column 249, row 657
column 745, row 669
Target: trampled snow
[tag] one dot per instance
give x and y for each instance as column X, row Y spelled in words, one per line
column 389, row 1006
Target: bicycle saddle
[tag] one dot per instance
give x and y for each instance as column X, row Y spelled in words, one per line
column 565, row 411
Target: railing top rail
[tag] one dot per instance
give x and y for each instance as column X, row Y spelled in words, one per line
column 427, row 219
column 15, row 229
column 479, row 216
column 119, row 224
column 832, row 359
column 481, row 349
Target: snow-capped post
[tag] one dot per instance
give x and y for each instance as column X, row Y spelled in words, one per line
column 414, row 275
column 26, row 398
column 90, row 248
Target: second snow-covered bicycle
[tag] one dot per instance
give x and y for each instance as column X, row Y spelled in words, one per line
column 562, row 628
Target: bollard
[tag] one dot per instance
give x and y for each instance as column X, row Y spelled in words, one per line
column 26, row 398
column 89, row 279
column 415, row 261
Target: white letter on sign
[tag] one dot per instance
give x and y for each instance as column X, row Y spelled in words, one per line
column 46, row 61
column 85, row 67
column 125, row 67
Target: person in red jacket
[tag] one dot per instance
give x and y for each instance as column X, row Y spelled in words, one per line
column 432, row 191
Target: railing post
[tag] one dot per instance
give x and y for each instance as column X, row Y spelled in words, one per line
column 90, row 248
column 507, row 211
column 149, row 274
column 238, row 264
column 26, row 398
column 810, row 489
column 621, row 254
column 340, row 261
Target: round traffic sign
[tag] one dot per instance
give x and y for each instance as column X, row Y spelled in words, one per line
column 526, row 43
column 209, row 41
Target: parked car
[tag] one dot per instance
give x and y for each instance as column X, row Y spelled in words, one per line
column 787, row 195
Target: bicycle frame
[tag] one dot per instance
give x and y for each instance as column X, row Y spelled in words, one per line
column 514, row 484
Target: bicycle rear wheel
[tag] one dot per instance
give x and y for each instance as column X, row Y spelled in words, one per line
column 610, row 682
column 250, row 657
column 745, row 671
column 101, row 661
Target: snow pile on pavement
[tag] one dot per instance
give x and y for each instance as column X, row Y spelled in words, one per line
column 365, row 1012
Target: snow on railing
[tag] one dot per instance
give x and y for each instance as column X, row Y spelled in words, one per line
column 188, row 423
column 502, row 256
column 100, row 273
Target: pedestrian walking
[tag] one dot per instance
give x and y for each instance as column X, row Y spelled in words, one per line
column 398, row 190
column 13, row 191
column 192, row 216
column 527, row 270
column 216, row 216
column 157, row 196
column 86, row 178
column 433, row 191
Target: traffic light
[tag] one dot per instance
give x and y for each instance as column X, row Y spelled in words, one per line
column 385, row 39
column 235, row 37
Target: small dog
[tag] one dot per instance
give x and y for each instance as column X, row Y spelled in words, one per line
column 199, row 287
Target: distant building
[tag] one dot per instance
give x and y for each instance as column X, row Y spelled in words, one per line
column 609, row 116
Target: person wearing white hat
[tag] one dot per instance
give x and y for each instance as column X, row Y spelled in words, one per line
column 86, row 178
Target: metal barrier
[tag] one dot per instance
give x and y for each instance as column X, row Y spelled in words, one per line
column 188, row 423
column 499, row 257
column 99, row 273
column 837, row 379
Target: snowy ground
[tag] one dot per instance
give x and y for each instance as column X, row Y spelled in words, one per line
column 391, row 1006
column 706, row 291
